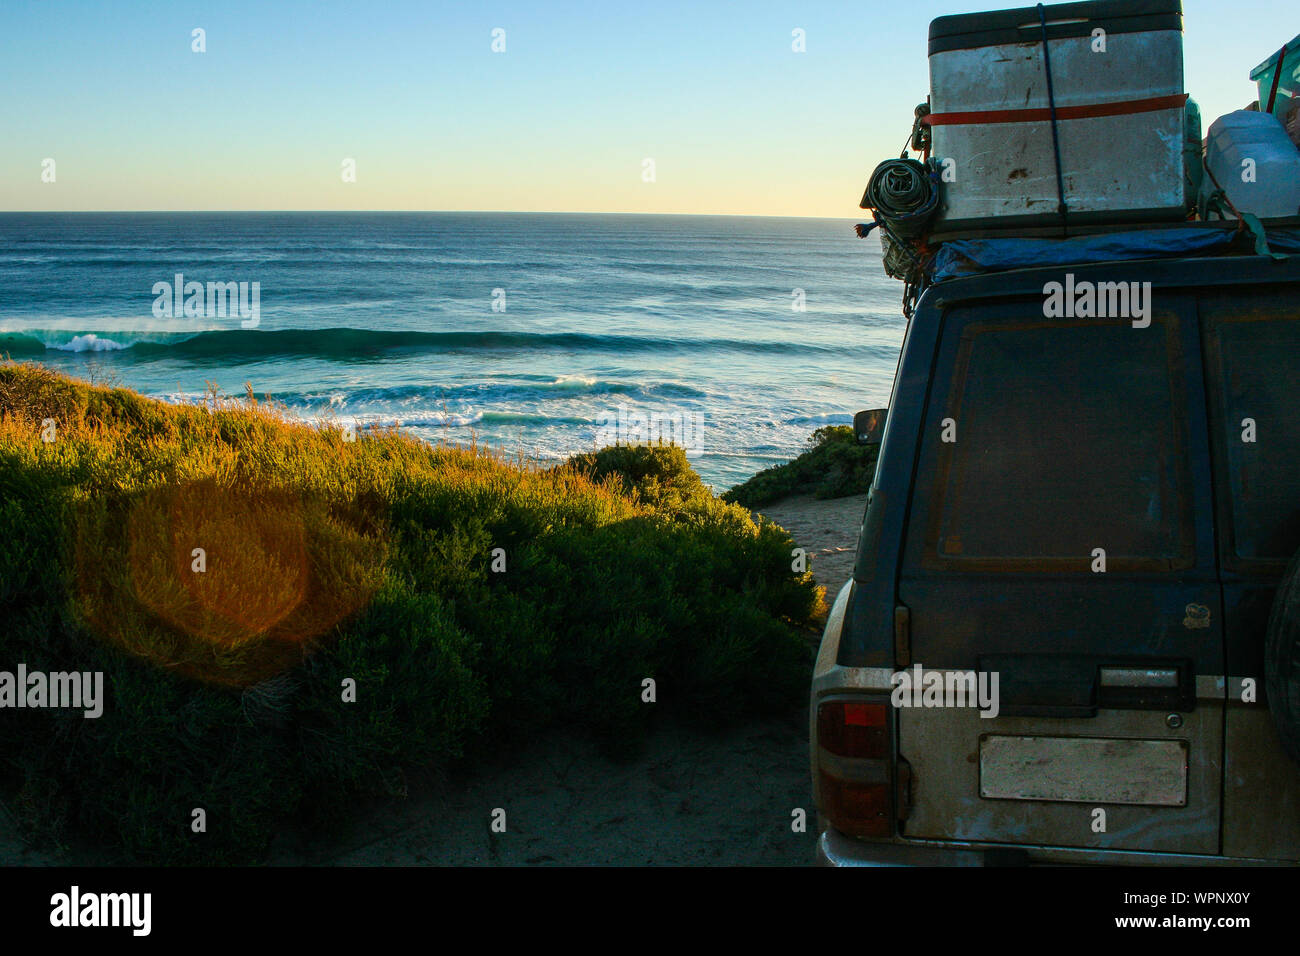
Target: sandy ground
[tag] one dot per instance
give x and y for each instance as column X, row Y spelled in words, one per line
column 724, row 798
column 713, row 799
column 827, row 530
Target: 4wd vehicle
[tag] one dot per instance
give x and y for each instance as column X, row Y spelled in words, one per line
column 1075, row 600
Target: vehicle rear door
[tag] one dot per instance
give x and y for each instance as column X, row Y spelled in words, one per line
column 1060, row 536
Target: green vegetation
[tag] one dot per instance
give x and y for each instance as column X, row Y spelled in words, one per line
column 834, row 466
column 230, row 572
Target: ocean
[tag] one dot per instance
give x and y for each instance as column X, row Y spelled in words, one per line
column 533, row 333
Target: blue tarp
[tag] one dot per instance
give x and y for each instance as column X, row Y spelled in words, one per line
column 963, row 257
column 1284, row 240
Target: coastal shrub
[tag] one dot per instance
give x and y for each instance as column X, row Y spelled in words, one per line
column 834, row 466
column 659, row 474
column 288, row 622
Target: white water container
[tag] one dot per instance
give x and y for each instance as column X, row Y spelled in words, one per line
column 1250, row 157
column 1117, row 79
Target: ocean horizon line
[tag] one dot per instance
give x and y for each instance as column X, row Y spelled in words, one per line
column 413, row 212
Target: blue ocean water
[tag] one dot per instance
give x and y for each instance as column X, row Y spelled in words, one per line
column 522, row 331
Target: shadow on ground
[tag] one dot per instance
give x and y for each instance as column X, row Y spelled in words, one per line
column 692, row 798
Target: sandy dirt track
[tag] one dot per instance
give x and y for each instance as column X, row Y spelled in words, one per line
column 827, row 530
column 691, row 798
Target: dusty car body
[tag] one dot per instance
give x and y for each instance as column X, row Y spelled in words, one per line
column 1098, row 512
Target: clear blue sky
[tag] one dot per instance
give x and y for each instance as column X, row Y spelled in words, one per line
column 711, row 91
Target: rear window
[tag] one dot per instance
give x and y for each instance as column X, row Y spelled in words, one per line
column 1069, row 436
column 1252, row 345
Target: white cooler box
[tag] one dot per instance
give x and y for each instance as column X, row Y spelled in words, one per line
column 1120, row 115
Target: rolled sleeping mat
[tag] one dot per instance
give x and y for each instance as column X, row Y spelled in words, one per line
column 904, row 194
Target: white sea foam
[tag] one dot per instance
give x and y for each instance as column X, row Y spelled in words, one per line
column 575, row 381
column 90, row 342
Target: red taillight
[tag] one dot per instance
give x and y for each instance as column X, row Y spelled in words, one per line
column 858, row 809
column 854, row 729
column 855, row 766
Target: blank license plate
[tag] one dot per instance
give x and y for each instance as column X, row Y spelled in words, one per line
column 1084, row 770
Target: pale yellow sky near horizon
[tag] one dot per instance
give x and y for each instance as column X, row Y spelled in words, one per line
column 684, row 183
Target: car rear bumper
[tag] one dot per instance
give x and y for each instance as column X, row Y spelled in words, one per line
column 836, row 849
